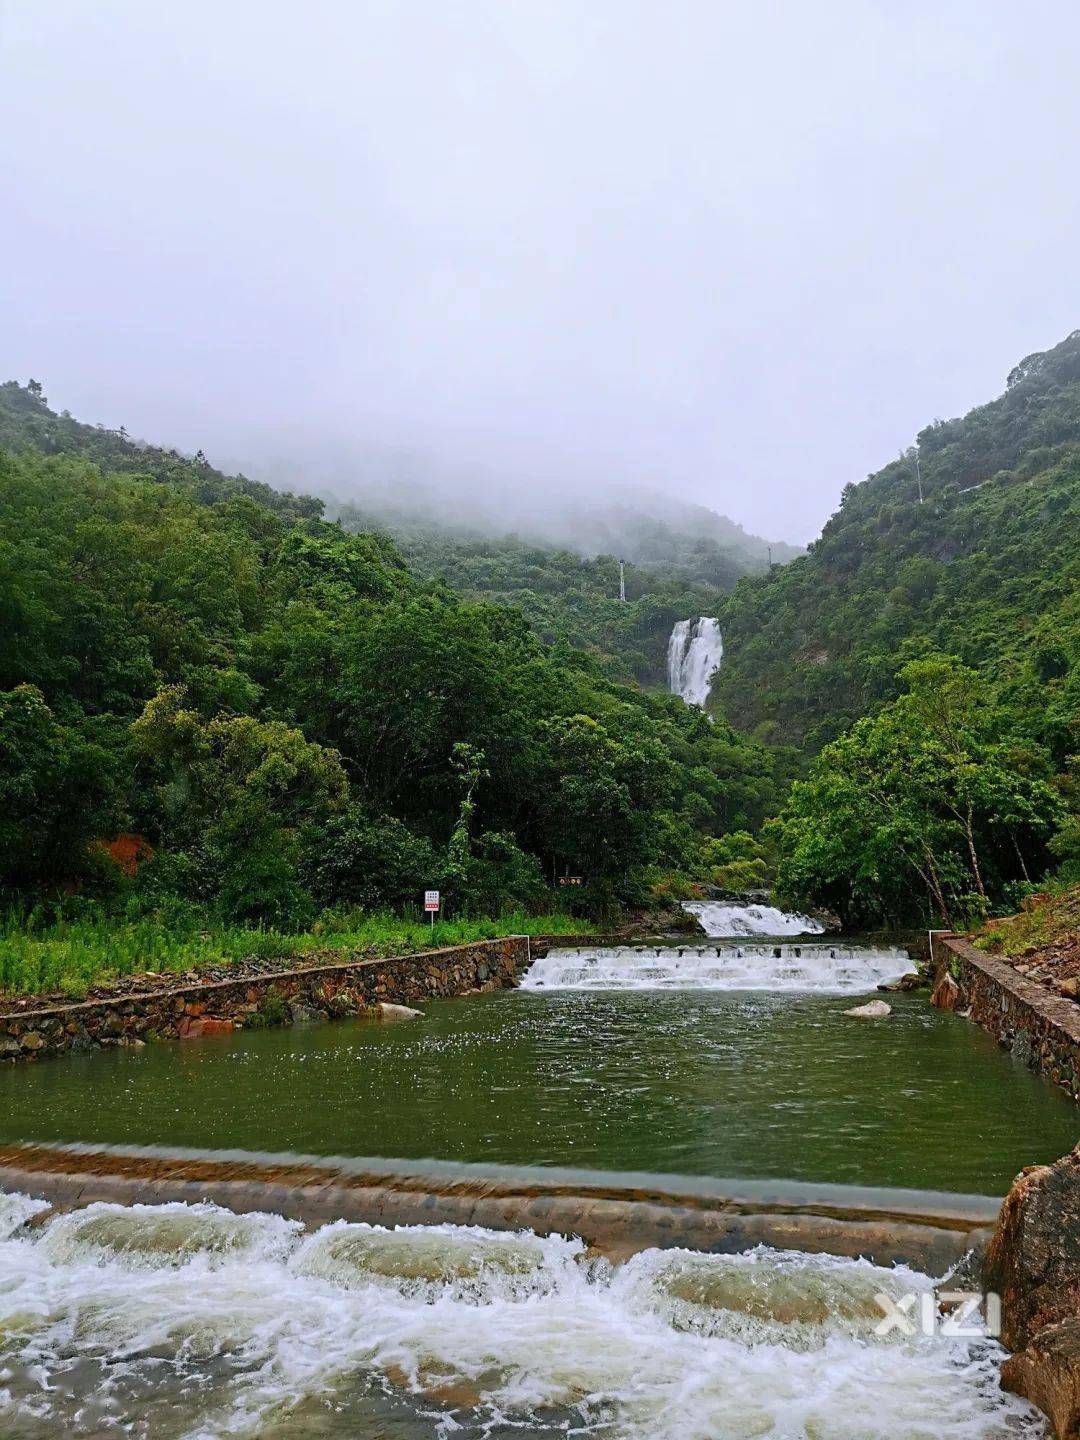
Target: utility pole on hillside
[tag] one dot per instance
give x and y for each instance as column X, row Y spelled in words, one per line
column 918, row 472
column 622, row 581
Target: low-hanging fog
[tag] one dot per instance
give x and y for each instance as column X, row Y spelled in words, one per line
column 518, row 255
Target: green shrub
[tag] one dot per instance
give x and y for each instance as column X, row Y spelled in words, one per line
column 273, row 1007
column 374, row 862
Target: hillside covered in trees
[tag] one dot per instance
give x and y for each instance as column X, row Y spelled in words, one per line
column 563, row 571
column 292, row 718
column 573, row 599
column 985, row 567
column 681, row 559
column 297, row 713
column 928, row 646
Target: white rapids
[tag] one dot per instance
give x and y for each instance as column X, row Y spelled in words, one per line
column 720, row 919
column 178, row 1322
column 695, row 650
column 822, row 968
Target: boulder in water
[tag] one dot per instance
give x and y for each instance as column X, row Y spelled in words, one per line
column 301, row 1014
column 872, row 1010
column 1033, row 1260
column 385, row 1010
column 196, row 1026
column 1033, row 1264
column 1048, row 1374
column 947, row 994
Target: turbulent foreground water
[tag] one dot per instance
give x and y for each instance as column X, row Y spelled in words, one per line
column 178, row 1322
column 189, row 1321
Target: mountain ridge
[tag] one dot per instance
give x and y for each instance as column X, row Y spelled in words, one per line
column 985, row 566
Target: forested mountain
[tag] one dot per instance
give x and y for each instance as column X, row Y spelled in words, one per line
column 561, row 568
column 651, row 530
column 986, row 568
column 26, row 422
column 681, row 558
column 571, row 599
column 928, row 646
column 292, row 718
column 297, row 713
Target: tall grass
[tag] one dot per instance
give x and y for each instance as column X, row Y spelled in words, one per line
column 38, row 954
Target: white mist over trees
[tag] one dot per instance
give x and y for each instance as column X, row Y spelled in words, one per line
column 548, row 251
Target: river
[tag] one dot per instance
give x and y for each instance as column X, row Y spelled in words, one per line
column 186, row 1322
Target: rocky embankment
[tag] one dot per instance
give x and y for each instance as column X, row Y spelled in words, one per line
column 162, row 982
column 1033, row 1263
column 1041, row 942
column 1039, row 1027
column 306, row 994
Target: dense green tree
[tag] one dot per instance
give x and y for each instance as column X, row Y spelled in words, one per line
column 595, row 797
column 373, row 861
column 58, row 786
column 918, row 808
column 232, row 802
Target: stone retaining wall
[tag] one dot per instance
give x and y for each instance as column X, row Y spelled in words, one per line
column 1041, row 1029
column 307, row 995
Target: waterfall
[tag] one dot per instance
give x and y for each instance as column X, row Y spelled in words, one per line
column 720, row 918
column 694, row 652
column 825, row 969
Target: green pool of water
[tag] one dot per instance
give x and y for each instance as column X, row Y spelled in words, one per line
column 745, row 1084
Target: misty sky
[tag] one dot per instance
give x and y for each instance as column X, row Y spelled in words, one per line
column 736, row 252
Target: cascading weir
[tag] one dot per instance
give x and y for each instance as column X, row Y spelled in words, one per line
column 822, row 968
column 195, row 1319
column 695, row 650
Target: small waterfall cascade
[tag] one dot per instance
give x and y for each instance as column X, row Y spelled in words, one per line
column 671, row 1345
column 720, row 919
column 695, row 650
column 820, row 968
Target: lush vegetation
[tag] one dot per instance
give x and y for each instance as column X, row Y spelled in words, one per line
column 571, row 600
column 39, row 952
column 298, row 716
column 27, row 423
column 950, row 799
column 291, row 719
column 986, row 568
column 680, row 560
column 929, row 805
column 654, row 531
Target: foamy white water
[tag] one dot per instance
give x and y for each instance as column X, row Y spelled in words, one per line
column 721, row 918
column 695, row 649
column 150, row 1323
column 835, row 969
